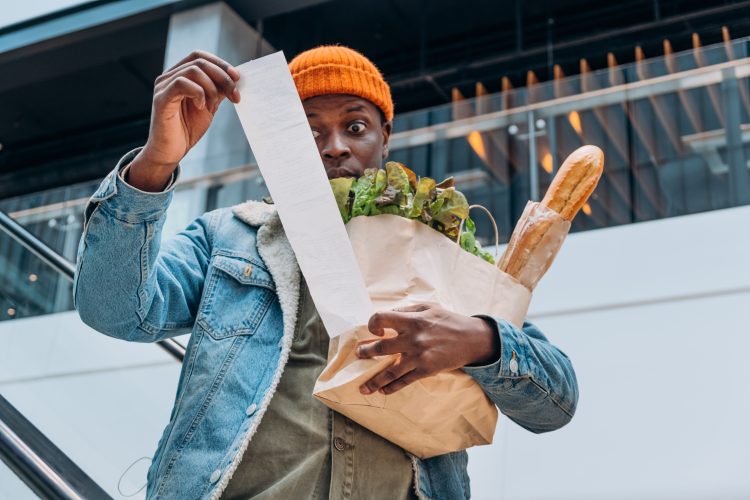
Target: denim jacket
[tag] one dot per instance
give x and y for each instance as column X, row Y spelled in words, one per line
column 231, row 279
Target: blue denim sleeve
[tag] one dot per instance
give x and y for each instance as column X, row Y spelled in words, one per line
column 128, row 284
column 533, row 382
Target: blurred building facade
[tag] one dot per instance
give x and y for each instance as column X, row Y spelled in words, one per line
column 493, row 93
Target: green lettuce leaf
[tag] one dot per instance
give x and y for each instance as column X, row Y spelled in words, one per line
column 424, row 194
column 366, row 191
column 448, row 210
column 341, row 189
column 468, row 242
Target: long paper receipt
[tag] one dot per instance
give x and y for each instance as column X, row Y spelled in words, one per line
column 279, row 134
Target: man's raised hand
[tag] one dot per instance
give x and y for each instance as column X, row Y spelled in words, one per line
column 186, row 97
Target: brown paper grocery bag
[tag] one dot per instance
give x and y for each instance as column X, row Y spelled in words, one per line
column 405, row 262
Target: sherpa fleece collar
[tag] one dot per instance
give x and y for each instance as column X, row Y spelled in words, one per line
column 277, row 253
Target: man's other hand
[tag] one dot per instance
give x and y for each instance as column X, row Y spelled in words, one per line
column 430, row 340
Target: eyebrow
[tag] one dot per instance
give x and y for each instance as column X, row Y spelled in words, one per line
column 358, row 107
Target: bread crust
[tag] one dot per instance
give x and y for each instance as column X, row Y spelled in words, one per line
column 574, row 182
column 522, row 245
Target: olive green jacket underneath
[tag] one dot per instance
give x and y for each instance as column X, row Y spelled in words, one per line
column 303, row 449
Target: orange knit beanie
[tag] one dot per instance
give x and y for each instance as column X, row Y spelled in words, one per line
column 333, row 69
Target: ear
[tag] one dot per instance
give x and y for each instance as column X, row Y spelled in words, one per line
column 387, row 127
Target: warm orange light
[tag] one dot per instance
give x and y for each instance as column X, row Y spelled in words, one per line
column 575, row 121
column 477, row 144
column 586, row 209
column 547, row 162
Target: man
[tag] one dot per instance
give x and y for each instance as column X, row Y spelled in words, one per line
column 239, row 428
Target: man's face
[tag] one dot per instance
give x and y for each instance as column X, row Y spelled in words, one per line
column 349, row 133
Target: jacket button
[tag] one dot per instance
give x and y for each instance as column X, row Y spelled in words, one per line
column 215, row 476
column 513, row 365
column 338, row 443
column 251, row 409
column 248, row 271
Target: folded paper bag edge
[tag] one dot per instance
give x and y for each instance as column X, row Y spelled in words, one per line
column 429, row 445
column 359, row 229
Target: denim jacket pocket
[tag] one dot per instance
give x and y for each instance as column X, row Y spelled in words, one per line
column 238, row 293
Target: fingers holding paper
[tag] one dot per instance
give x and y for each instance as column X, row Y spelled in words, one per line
column 186, row 97
column 213, row 75
column 430, row 340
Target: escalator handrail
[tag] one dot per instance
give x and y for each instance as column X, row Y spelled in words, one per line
column 45, row 469
column 65, row 267
column 37, row 246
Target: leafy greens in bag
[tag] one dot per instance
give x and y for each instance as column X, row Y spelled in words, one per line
column 397, row 191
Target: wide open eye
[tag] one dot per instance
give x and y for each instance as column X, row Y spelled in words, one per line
column 357, row 127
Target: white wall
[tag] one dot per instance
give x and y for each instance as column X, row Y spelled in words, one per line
column 653, row 316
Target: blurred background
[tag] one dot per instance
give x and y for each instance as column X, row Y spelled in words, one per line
column 648, row 296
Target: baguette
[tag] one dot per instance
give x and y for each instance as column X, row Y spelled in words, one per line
column 574, row 182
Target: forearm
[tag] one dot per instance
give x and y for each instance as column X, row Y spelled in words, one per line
column 532, row 382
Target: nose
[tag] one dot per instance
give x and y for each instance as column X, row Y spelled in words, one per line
column 335, row 148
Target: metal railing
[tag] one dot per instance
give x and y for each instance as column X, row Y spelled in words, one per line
column 685, row 80
column 45, row 469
